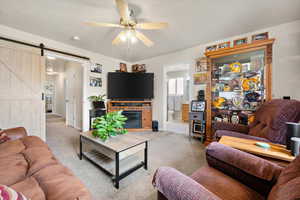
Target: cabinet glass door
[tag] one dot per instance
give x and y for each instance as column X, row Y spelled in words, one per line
column 238, row 86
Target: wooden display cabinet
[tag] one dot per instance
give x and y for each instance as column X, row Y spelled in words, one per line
column 239, row 81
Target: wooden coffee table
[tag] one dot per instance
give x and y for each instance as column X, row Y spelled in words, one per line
column 276, row 151
column 109, row 154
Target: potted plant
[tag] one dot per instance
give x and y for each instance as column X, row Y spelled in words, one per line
column 111, row 124
column 97, row 101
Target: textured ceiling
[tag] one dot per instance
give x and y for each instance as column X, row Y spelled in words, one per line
column 191, row 22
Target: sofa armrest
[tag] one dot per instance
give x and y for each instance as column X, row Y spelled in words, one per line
column 15, row 133
column 174, row 185
column 253, row 171
column 231, row 127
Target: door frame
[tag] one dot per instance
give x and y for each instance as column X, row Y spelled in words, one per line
column 172, row 68
column 85, row 64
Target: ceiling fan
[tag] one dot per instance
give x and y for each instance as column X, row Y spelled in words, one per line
column 130, row 24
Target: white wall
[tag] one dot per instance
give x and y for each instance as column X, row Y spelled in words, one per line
column 109, row 64
column 286, row 64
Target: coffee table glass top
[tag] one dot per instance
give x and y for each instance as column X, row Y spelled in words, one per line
column 276, row 151
column 118, row 143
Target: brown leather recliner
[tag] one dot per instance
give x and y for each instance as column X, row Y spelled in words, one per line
column 28, row 166
column 269, row 124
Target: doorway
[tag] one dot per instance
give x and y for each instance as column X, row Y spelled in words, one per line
column 64, row 91
column 177, row 96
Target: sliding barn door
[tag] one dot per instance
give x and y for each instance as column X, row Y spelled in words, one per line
column 22, row 75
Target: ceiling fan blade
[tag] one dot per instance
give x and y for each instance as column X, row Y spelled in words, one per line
column 104, row 24
column 123, row 9
column 118, row 39
column 144, row 39
column 152, row 26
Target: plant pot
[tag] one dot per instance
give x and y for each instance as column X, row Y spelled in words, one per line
column 99, row 104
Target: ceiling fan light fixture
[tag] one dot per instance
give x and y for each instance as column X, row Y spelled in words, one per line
column 123, row 38
column 129, row 34
column 130, row 26
column 133, row 40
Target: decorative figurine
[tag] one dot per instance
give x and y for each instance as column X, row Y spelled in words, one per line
column 235, row 118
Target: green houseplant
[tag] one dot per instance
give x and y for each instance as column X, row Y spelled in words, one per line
column 111, row 124
column 97, row 101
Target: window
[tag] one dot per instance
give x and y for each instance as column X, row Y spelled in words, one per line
column 179, row 86
column 176, row 86
column 172, row 87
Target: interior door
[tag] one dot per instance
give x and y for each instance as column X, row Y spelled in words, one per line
column 22, row 76
column 70, row 103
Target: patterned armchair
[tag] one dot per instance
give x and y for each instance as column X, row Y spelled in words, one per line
column 231, row 175
column 269, row 124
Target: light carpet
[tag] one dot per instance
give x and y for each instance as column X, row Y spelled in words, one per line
column 165, row 149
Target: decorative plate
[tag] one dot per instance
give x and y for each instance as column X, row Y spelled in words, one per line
column 250, row 83
column 236, row 67
column 219, row 102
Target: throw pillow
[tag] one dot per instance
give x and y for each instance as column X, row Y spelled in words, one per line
column 7, row 193
column 3, row 137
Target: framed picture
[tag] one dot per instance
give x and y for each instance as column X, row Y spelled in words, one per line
column 95, row 82
column 201, row 65
column 123, row 67
column 259, row 37
column 224, row 45
column 211, row 48
column 198, row 106
column 96, row 68
column 139, row 68
column 198, row 127
column 240, row 41
column 200, row 78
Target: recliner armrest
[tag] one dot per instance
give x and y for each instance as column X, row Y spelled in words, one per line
column 231, row 127
column 253, row 171
column 15, row 133
column 177, row 186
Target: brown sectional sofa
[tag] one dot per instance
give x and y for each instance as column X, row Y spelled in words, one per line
column 28, row 166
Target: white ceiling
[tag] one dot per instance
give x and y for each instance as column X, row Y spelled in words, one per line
column 191, row 22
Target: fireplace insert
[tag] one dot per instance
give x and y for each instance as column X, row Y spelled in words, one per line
column 134, row 119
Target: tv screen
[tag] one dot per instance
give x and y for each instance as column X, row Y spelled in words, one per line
column 121, row 85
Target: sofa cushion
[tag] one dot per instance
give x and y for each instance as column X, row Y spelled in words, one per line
column 288, row 183
column 38, row 158
column 33, row 141
column 30, row 188
column 7, row 193
column 11, row 147
column 13, row 169
column 224, row 186
column 59, row 183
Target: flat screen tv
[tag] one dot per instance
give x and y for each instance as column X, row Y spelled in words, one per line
column 130, row 86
